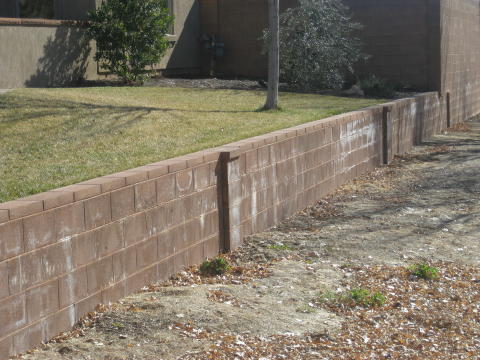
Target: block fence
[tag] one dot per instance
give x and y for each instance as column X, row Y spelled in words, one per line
column 65, row 251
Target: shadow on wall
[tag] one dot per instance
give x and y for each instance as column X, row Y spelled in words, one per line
column 65, row 59
column 185, row 54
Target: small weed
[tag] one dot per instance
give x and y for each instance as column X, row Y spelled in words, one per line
column 215, row 266
column 327, row 297
column 306, row 309
column 355, row 297
column 424, row 271
column 365, row 298
column 281, row 247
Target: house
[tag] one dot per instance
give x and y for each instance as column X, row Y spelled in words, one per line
column 429, row 45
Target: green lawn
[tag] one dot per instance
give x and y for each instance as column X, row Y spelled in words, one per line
column 55, row 137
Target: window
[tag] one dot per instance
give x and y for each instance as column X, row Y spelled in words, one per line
column 36, row 9
column 169, row 4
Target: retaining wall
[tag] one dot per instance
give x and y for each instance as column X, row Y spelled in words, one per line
column 65, row 251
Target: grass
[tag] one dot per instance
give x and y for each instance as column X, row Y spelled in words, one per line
column 56, row 137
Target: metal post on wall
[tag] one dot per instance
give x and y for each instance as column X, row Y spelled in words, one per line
column 386, row 134
column 223, row 203
column 449, row 119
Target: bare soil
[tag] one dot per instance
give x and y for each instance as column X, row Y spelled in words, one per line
column 423, row 208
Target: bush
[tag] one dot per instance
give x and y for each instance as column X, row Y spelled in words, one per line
column 130, row 35
column 215, row 266
column 376, row 87
column 317, row 44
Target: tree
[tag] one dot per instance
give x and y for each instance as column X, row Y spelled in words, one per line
column 273, row 55
column 130, row 35
column 318, row 47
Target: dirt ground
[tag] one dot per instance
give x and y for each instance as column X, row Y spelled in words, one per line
column 283, row 299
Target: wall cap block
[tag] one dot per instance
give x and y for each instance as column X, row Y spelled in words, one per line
column 81, row 192
column 21, row 208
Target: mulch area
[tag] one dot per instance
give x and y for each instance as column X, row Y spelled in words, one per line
column 421, row 319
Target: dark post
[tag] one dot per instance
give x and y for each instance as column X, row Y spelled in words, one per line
column 386, row 130
column 449, row 120
column 223, row 201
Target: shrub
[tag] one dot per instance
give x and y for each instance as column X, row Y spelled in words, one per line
column 376, row 87
column 215, row 266
column 130, row 35
column 317, row 44
column 424, row 271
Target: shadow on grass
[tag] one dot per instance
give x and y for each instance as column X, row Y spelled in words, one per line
column 85, row 118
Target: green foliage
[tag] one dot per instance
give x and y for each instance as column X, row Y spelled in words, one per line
column 355, row 297
column 317, row 44
column 374, row 86
column 424, row 271
column 130, row 35
column 215, row 266
column 327, row 297
column 365, row 298
column 281, row 247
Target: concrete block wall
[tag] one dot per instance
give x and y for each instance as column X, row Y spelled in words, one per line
column 409, row 121
column 293, row 168
column 276, row 175
column 67, row 250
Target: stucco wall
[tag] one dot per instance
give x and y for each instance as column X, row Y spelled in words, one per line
column 43, row 56
column 401, row 37
column 460, row 54
column 239, row 24
column 397, row 36
column 44, row 53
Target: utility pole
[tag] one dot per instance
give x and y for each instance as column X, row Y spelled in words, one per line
column 273, row 55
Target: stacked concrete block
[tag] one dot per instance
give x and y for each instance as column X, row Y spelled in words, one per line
column 67, row 250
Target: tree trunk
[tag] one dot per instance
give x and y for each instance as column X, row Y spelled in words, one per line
column 273, row 55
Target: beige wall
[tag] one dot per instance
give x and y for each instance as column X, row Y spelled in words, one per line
column 239, row 24
column 186, row 52
column 397, row 37
column 460, row 53
column 43, row 56
column 49, row 55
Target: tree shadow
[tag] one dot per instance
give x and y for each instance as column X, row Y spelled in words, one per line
column 82, row 118
column 65, row 59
